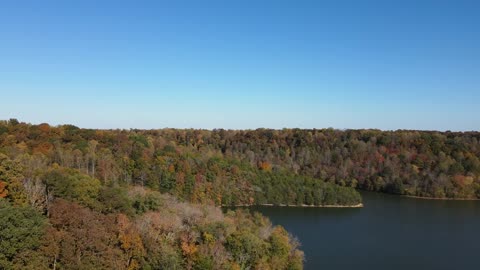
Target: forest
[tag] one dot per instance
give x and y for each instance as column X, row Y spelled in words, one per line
column 73, row 198
column 193, row 167
column 224, row 166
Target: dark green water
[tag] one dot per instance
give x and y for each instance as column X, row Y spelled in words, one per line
column 390, row 232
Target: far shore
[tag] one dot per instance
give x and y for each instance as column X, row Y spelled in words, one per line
column 440, row 199
column 360, row 205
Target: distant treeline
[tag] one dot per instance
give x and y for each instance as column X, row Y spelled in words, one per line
column 418, row 163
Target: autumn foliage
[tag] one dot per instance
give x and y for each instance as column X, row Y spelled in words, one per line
column 148, row 199
column 75, row 203
column 3, row 189
column 183, row 162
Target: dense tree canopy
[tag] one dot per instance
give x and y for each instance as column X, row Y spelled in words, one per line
column 197, row 165
column 194, row 165
column 171, row 235
column 68, row 202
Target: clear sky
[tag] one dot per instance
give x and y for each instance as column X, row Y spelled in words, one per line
column 242, row 64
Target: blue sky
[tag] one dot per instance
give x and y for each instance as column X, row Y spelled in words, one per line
column 242, row 64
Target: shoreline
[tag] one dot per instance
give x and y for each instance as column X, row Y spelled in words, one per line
column 359, row 205
column 439, row 199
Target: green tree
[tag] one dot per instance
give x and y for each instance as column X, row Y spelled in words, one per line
column 73, row 185
column 21, row 229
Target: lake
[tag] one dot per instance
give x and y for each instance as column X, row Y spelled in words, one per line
column 390, row 232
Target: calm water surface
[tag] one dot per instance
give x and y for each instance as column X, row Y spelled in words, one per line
column 390, row 232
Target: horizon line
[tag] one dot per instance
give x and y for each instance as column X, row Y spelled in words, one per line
column 236, row 129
